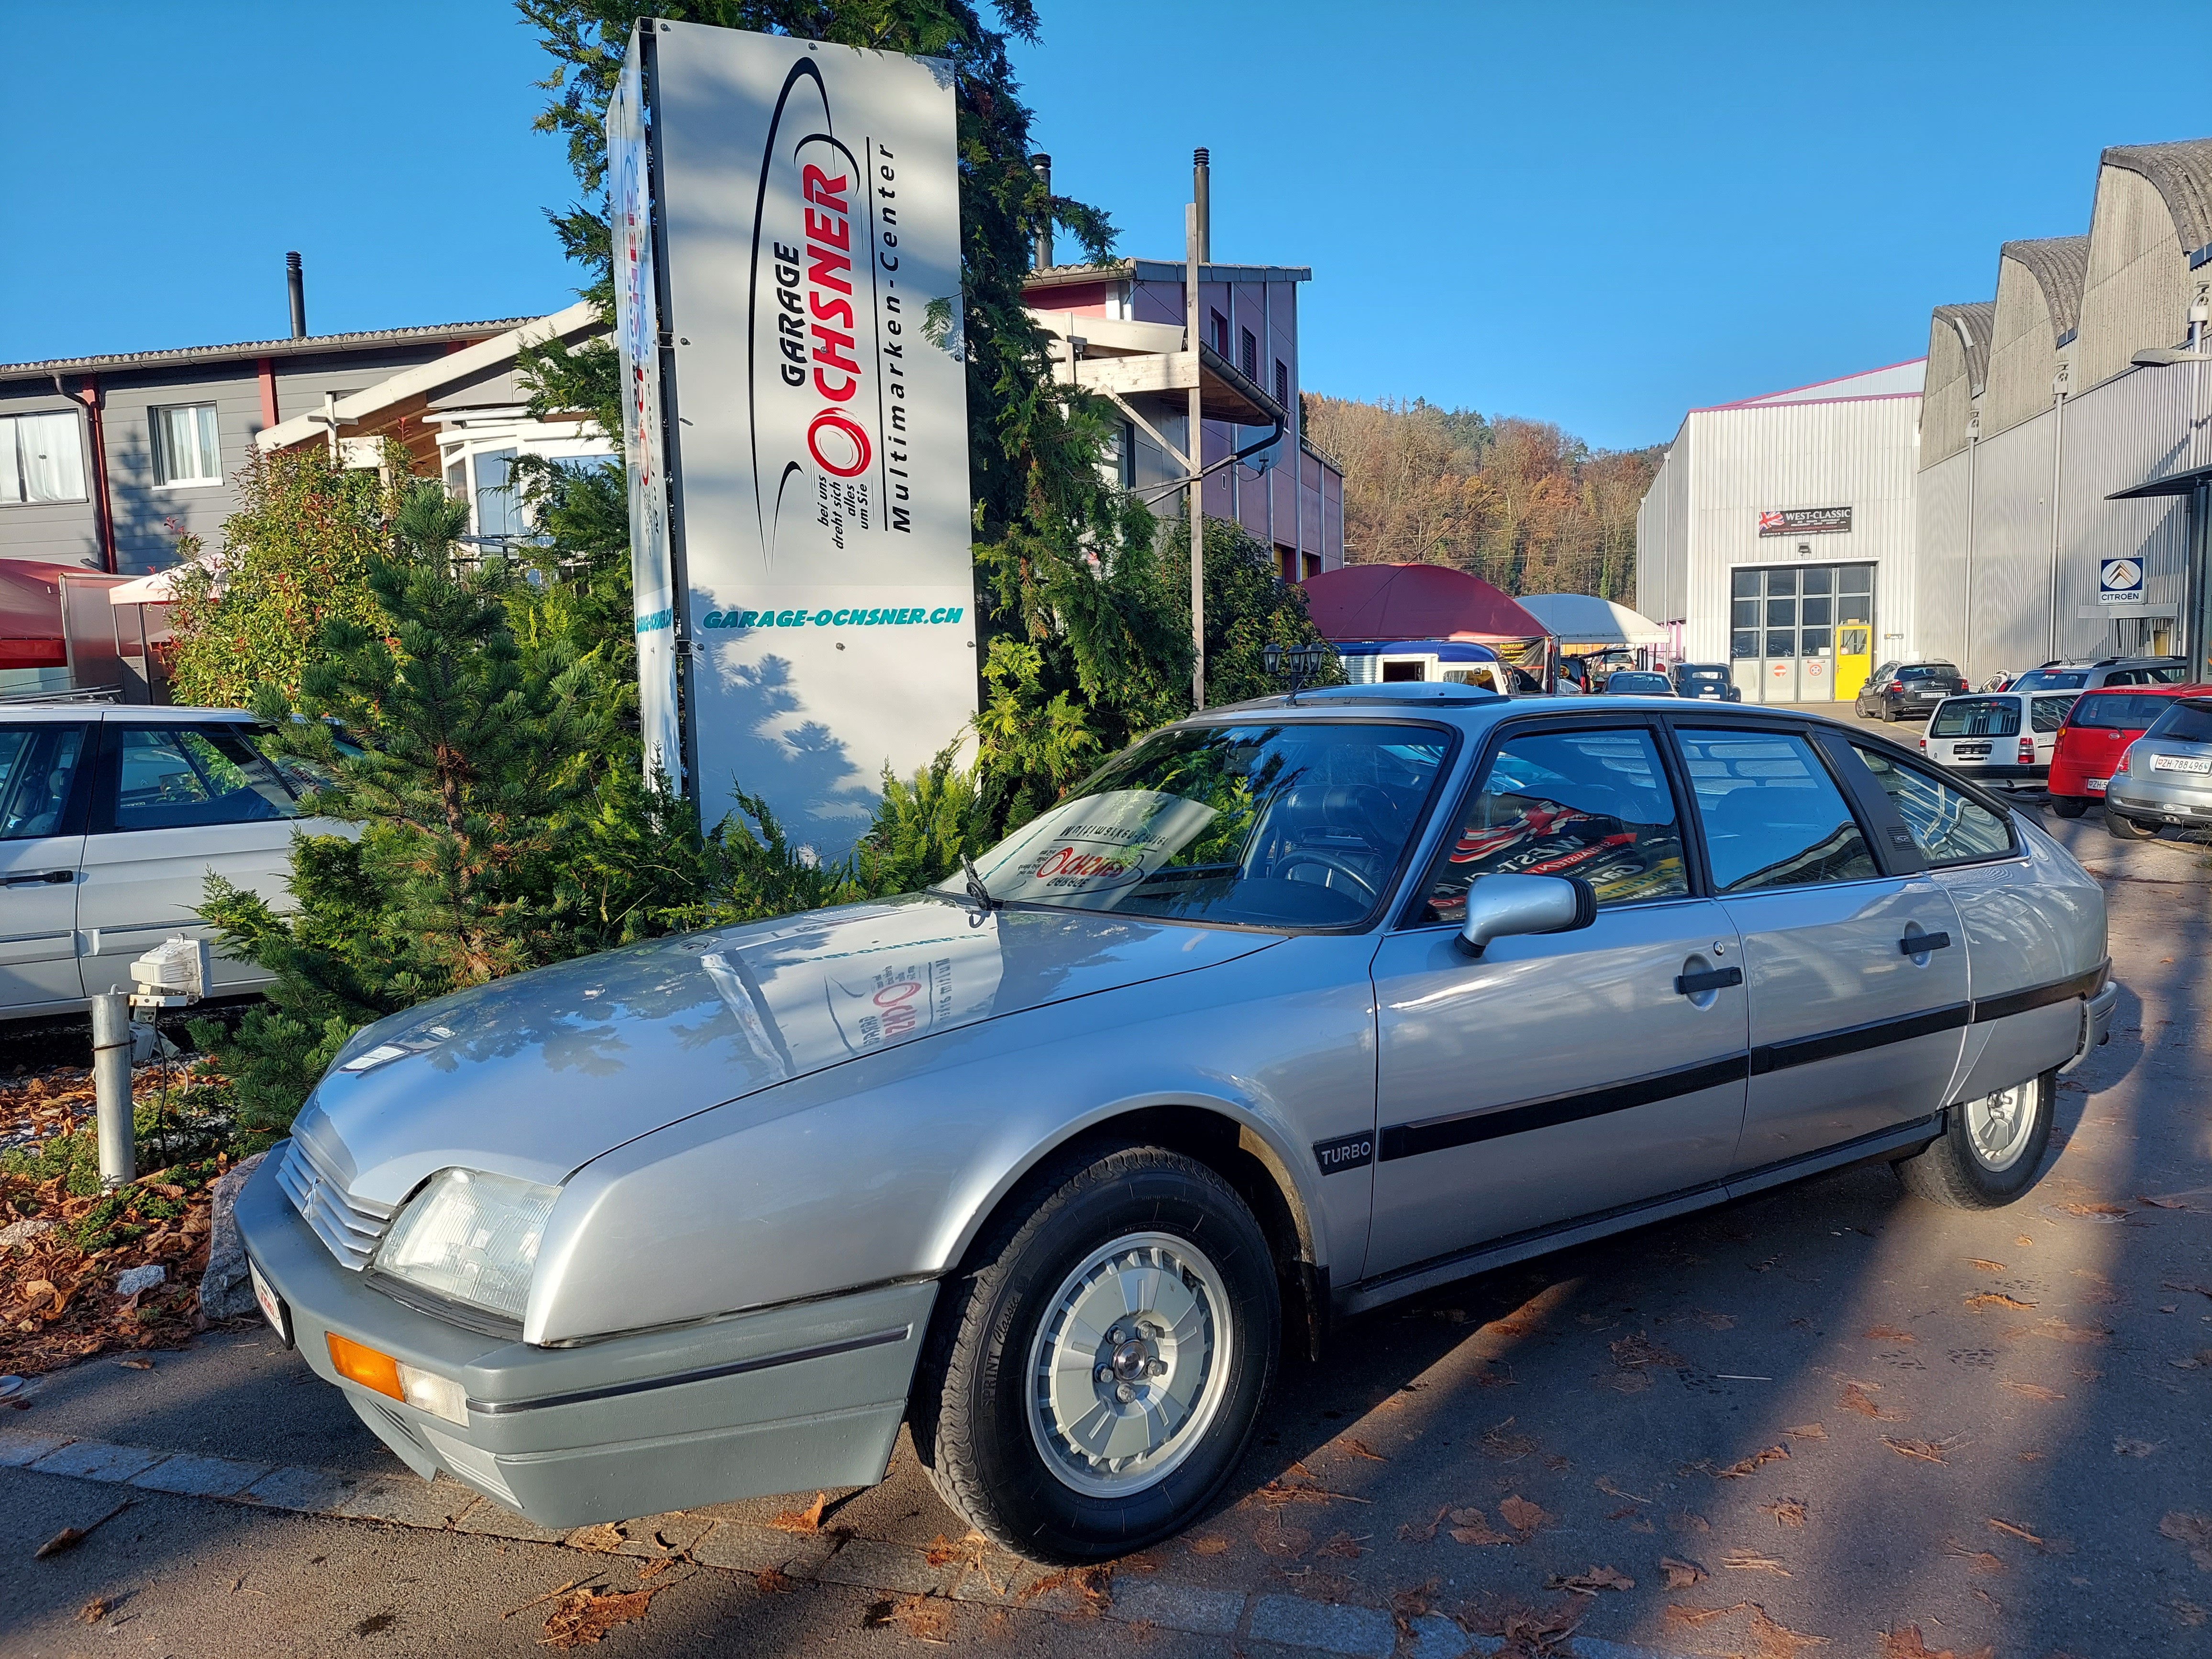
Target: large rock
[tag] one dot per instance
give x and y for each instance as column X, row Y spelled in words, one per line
column 226, row 1290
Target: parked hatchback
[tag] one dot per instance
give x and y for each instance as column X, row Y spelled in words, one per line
column 111, row 821
column 1297, row 1008
column 2165, row 777
column 2097, row 731
column 2002, row 737
column 1901, row 690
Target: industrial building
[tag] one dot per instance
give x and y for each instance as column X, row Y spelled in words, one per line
column 1778, row 534
column 2064, row 460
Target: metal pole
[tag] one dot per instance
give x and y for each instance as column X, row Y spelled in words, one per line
column 110, row 1081
column 1967, row 656
column 1195, row 448
column 2057, row 455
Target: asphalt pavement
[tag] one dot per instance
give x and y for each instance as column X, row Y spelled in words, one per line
column 1831, row 1414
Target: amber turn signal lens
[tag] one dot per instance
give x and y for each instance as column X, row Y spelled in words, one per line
column 372, row 1370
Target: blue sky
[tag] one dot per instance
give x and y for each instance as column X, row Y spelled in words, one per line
column 1599, row 215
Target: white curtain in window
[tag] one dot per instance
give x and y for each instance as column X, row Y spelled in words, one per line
column 185, row 447
column 11, row 469
column 48, row 459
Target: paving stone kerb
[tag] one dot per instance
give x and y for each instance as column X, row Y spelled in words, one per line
column 1285, row 1621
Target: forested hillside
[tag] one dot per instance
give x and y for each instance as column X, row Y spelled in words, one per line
column 1519, row 503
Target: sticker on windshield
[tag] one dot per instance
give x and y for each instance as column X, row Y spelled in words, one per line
column 1098, row 844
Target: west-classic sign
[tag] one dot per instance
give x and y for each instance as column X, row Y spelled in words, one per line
column 1805, row 522
column 804, row 210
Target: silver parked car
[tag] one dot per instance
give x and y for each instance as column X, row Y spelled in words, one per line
column 1293, row 1009
column 2166, row 776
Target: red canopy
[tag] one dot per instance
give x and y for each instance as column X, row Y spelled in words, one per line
column 1414, row 602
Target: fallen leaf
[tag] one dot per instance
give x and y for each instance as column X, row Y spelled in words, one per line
column 2059, row 1331
column 1859, row 1397
column 2193, row 1532
column 2031, row 1391
column 1986, row 1266
column 1906, row 1644
column 1757, row 1460
column 1524, row 1517
column 1772, row 1639
column 2188, row 1612
column 2186, row 1284
column 583, row 1616
column 808, row 1520
column 1678, row 1614
column 1752, row 1561
column 136, row 1364
column 1496, row 1442
column 70, row 1537
column 1526, row 1630
column 1715, row 1322
column 1605, row 1484
column 1888, row 1333
column 773, row 1581
column 2162, row 1203
column 2197, row 1361
column 2023, row 1241
column 1928, row 1451
column 94, row 1610
column 1342, row 1547
column 1806, row 1432
column 1591, row 1582
column 1220, row 1546
column 1277, row 1539
column 2094, row 1209
column 1473, row 1527
column 1361, row 1448
column 1416, row 1601
column 2014, row 1529
column 1996, row 1299
column 1978, row 1560
column 1689, row 1521
column 1681, row 1574
column 2127, row 1448
column 1787, row 1512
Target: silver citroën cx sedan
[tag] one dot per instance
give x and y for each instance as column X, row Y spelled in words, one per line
column 1293, row 1009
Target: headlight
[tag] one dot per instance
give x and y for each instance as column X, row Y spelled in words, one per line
column 472, row 1237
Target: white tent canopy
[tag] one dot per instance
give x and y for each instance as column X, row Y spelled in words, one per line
column 159, row 588
column 1582, row 619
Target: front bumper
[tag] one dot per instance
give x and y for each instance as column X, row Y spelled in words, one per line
column 802, row 1396
column 2153, row 797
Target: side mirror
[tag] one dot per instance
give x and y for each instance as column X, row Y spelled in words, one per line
column 1498, row 906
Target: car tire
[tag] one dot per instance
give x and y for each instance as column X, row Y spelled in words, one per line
column 1988, row 1152
column 1000, row 1444
column 2068, row 806
column 2121, row 827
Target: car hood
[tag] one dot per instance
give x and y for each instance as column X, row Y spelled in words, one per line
column 537, row 1075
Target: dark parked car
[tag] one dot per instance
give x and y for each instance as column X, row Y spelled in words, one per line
column 1635, row 683
column 1897, row 691
column 1709, row 682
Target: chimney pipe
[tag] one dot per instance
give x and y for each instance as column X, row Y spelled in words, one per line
column 297, row 283
column 1201, row 193
column 1041, row 165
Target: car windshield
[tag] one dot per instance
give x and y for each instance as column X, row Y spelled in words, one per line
column 1976, row 717
column 1285, row 825
column 1640, row 682
column 2189, row 721
column 1928, row 670
column 2116, row 711
column 2052, row 679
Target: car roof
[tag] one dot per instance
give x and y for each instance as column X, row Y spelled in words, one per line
column 78, row 713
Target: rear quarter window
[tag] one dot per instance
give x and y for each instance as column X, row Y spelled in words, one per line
column 2189, row 721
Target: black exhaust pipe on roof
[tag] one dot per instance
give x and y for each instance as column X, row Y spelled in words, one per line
column 1041, row 165
column 296, row 280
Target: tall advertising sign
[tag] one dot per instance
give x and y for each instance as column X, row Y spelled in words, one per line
column 805, row 197
column 637, row 330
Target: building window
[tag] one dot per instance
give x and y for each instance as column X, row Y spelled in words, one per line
column 185, row 451
column 1282, row 383
column 41, row 459
column 499, row 510
column 1248, row 354
column 1221, row 334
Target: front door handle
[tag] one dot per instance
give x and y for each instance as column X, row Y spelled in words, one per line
column 1712, row 979
column 1917, row 945
column 44, row 878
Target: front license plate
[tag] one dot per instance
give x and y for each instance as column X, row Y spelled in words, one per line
column 272, row 1306
column 1971, row 751
column 2180, row 763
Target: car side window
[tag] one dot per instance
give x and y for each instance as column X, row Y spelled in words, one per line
column 1592, row 803
column 1948, row 826
column 183, row 777
column 2051, row 713
column 2128, row 677
column 1772, row 815
column 38, row 765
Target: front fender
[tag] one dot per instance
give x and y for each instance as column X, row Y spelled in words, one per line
column 887, row 1168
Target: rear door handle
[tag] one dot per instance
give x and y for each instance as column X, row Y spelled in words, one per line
column 44, row 878
column 1916, row 944
column 1712, row 979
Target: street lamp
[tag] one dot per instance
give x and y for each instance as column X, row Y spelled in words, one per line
column 1300, row 662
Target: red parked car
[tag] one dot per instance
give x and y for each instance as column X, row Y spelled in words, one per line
column 2098, row 729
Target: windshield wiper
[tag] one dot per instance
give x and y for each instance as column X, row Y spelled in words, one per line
column 977, row 891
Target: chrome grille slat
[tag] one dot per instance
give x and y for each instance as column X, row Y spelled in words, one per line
column 350, row 1227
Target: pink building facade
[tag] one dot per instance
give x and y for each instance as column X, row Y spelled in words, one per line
column 1290, row 495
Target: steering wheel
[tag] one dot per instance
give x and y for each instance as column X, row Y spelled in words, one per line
column 1328, row 861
